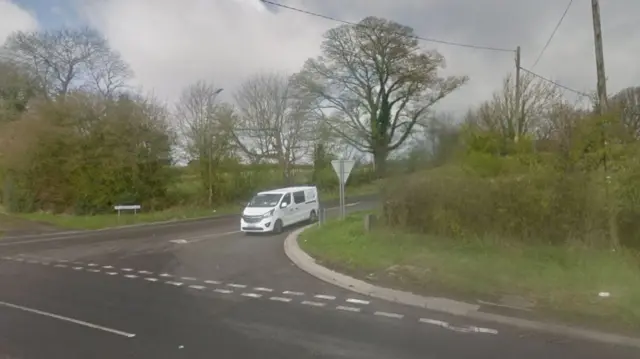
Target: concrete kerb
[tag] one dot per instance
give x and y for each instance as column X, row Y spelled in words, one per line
column 306, row 263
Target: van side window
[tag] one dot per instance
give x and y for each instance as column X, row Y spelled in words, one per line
column 287, row 198
column 298, row 197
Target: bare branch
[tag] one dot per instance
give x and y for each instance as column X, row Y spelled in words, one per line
column 273, row 124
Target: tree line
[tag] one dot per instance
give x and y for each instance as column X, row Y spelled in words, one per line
column 75, row 138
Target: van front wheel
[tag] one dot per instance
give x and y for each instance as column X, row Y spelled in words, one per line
column 313, row 217
column 277, row 227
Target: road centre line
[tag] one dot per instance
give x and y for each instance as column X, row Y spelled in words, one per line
column 67, row 319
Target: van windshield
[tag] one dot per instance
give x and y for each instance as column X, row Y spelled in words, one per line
column 265, row 200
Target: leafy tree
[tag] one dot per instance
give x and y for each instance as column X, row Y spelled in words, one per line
column 374, row 84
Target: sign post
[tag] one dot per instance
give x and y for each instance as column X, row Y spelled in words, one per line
column 343, row 170
column 135, row 208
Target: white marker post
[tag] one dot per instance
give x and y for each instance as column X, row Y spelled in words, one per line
column 343, row 170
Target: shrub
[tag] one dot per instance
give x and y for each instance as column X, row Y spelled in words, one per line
column 540, row 206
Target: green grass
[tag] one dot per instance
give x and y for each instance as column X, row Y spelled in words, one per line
column 563, row 282
column 126, row 217
column 350, row 192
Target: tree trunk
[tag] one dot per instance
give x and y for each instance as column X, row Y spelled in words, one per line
column 380, row 155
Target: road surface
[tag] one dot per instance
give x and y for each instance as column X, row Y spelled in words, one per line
column 202, row 290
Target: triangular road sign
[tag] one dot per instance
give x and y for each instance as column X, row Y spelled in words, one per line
column 347, row 166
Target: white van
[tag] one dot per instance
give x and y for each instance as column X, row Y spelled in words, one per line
column 271, row 211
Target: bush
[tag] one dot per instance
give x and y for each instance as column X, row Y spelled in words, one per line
column 539, row 206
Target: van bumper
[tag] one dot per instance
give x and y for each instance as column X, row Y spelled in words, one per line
column 264, row 225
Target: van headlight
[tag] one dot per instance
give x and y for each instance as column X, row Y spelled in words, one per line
column 268, row 214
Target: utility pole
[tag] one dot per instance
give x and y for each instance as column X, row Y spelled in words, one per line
column 597, row 35
column 602, row 109
column 518, row 95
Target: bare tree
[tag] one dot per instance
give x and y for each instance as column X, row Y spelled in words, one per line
column 66, row 59
column 202, row 130
column 500, row 114
column 374, row 84
column 273, row 124
column 628, row 103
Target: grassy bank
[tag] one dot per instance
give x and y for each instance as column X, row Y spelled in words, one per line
column 563, row 282
column 126, row 217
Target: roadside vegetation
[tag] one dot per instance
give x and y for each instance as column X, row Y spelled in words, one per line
column 76, row 139
column 540, row 203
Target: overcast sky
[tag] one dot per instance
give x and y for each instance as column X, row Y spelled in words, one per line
column 171, row 43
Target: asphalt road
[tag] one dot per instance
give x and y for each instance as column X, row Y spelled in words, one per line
column 201, row 290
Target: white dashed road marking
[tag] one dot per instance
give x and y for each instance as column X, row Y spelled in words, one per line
column 348, row 309
column 67, row 319
column 234, row 285
column 251, row 295
column 280, row 299
column 357, row 301
column 434, row 322
column 313, row 304
column 92, row 268
column 389, row 315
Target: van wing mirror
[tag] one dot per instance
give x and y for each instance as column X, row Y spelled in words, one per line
column 284, row 204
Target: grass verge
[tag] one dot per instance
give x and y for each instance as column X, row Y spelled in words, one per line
column 350, row 192
column 126, row 217
column 564, row 283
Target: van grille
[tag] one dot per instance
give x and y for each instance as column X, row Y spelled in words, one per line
column 252, row 219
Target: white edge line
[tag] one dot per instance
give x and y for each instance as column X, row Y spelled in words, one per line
column 67, row 319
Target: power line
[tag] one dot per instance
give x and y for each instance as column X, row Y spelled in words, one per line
column 555, row 83
column 444, row 42
column 553, row 33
